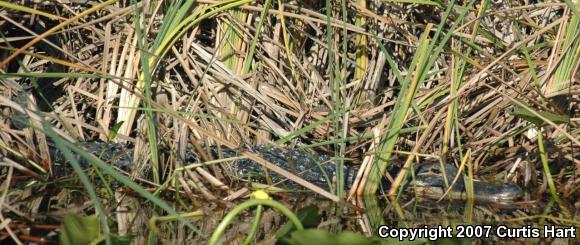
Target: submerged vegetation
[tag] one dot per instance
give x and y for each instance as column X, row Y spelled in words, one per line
column 490, row 87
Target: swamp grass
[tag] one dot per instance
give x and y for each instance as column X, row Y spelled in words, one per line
column 491, row 87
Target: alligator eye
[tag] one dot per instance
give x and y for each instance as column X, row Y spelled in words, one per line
column 435, row 170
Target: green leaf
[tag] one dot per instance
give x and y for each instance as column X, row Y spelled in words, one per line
column 528, row 116
column 121, row 240
column 80, row 230
column 309, row 217
column 115, row 130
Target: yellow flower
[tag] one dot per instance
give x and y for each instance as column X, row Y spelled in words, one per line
column 259, row 194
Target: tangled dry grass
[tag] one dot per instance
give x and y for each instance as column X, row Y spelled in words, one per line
column 162, row 74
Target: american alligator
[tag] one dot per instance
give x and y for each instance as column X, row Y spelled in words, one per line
column 316, row 168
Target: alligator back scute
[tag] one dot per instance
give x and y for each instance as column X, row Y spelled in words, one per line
column 315, row 168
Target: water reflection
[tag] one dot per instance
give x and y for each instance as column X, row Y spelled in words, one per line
column 411, row 211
